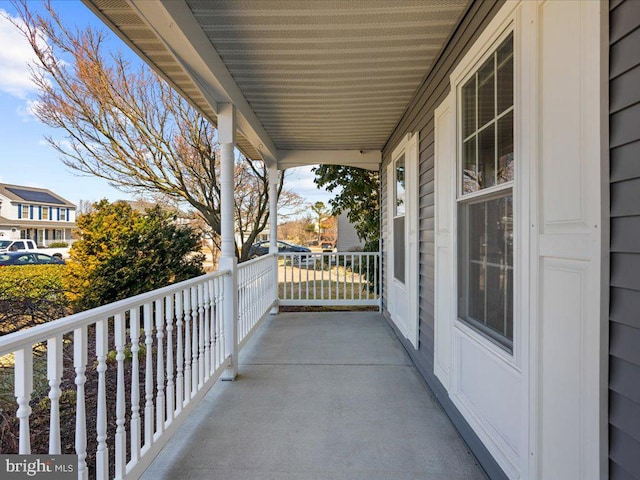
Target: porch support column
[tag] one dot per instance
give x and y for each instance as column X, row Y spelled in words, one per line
column 228, row 260
column 274, row 180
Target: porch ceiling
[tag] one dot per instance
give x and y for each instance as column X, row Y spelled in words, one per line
column 304, row 76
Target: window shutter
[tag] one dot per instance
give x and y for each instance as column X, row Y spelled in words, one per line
column 19, row 210
column 31, row 212
column 39, row 213
column 445, row 196
column 58, row 213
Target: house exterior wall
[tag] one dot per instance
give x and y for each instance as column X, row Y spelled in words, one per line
column 520, row 405
column 347, row 236
column 57, row 226
column 624, row 346
column 419, row 117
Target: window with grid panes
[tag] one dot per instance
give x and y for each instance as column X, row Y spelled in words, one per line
column 485, row 197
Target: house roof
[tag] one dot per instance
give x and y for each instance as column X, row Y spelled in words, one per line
column 320, row 81
column 43, row 196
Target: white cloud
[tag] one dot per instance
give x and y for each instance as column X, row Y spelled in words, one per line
column 14, row 60
column 300, row 180
column 27, row 111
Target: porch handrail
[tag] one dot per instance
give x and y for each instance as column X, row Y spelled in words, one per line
column 29, row 336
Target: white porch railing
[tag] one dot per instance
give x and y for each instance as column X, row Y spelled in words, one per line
column 317, row 279
column 145, row 362
column 256, row 294
column 167, row 347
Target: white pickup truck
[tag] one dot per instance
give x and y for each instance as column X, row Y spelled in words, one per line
column 30, row 246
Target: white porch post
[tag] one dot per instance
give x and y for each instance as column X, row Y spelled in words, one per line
column 274, row 179
column 228, row 261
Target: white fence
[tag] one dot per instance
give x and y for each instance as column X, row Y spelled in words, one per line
column 317, row 279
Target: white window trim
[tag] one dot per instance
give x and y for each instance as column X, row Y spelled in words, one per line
column 409, row 146
column 489, row 41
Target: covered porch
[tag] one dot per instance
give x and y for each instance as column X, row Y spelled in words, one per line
column 319, row 395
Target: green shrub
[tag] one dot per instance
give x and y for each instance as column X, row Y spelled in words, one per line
column 30, row 295
column 58, row 245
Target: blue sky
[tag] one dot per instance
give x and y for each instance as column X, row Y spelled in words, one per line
column 26, row 158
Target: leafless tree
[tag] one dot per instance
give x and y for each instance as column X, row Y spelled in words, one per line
column 128, row 126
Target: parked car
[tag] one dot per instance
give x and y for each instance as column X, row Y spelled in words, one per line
column 18, row 246
column 262, row 248
column 29, row 258
column 327, row 247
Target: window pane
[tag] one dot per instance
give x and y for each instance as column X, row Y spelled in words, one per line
column 496, row 283
column 469, row 107
column 486, row 86
column 509, row 311
column 508, row 234
column 505, row 75
column 505, row 148
column 477, row 243
column 398, row 249
column 485, row 267
column 487, row 157
column 497, row 230
column 476, row 292
column 470, row 175
column 400, row 186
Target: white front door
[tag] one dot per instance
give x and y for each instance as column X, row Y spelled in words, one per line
column 402, row 235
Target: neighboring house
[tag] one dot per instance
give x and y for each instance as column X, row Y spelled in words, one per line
column 35, row 213
column 348, row 239
column 506, row 135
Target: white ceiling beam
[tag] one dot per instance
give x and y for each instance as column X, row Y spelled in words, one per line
column 174, row 24
column 369, row 160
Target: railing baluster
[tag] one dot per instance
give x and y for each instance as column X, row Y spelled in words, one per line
column 171, row 392
column 194, row 341
column 54, row 376
column 353, row 278
column 201, row 355
column 160, row 394
column 179, row 354
column 102, row 452
column 121, row 438
column 214, row 325
column 376, row 266
column 323, row 258
column 23, row 387
column 80, row 365
column 220, row 321
column 299, row 277
column 134, row 331
column 187, row 347
column 360, row 276
column 344, row 278
column 148, row 375
column 207, row 331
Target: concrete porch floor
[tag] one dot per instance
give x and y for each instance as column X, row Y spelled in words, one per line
column 319, row 396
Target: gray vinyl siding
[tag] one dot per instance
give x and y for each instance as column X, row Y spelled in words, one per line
column 419, row 116
column 624, row 311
